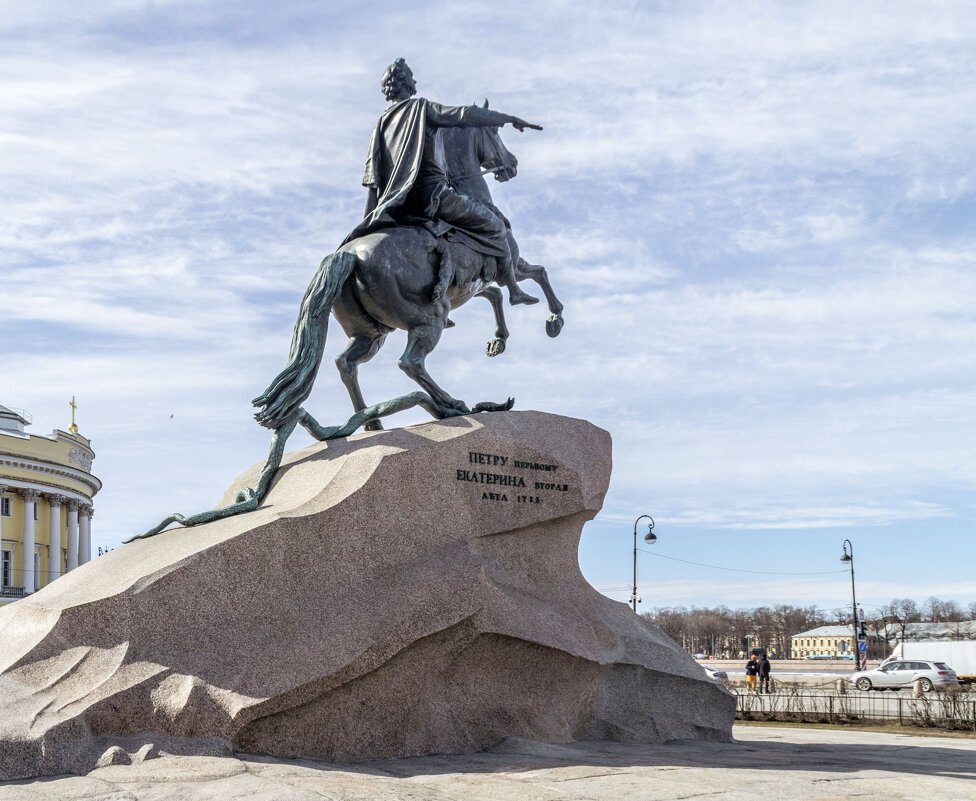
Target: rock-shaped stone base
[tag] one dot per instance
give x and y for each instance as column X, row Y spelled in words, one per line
column 400, row 592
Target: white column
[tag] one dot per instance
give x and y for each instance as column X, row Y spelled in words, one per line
column 84, row 543
column 30, row 497
column 73, row 533
column 54, row 549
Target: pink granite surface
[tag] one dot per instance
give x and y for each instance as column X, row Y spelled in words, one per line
column 401, row 592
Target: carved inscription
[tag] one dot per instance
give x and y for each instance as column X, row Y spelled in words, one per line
column 500, row 482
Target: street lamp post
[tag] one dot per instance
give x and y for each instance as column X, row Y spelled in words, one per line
column 650, row 537
column 850, row 558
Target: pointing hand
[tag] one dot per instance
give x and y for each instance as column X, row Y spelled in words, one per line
column 520, row 124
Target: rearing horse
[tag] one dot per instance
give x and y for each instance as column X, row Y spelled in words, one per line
column 402, row 277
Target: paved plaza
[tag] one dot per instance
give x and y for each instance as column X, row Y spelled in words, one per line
column 786, row 764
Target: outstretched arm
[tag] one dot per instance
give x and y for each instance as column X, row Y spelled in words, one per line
column 442, row 116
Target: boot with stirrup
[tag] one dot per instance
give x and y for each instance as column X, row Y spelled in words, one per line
column 515, row 294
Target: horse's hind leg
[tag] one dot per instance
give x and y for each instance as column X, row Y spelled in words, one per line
column 538, row 274
column 494, row 296
column 361, row 348
column 421, row 340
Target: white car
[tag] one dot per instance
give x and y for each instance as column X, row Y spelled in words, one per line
column 719, row 676
column 903, row 673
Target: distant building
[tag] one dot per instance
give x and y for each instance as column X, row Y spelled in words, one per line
column 962, row 630
column 835, row 642
column 46, row 491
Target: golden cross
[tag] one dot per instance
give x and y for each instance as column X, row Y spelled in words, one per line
column 73, row 405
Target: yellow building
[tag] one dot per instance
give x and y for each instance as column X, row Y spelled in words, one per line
column 46, row 491
column 831, row 641
column 836, row 642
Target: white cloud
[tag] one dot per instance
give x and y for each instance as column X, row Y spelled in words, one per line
column 759, row 219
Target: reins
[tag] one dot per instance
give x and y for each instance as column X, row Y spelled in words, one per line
column 498, row 155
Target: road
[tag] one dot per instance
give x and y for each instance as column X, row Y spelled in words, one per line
column 786, row 764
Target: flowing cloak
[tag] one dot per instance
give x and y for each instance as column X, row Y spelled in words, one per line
column 396, row 161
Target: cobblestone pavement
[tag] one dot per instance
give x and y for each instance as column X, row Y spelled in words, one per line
column 786, row 764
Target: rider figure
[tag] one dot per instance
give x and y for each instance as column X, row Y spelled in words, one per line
column 406, row 177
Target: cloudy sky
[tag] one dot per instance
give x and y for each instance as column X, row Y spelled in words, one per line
column 761, row 218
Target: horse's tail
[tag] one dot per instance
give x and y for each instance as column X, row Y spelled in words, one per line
column 285, row 395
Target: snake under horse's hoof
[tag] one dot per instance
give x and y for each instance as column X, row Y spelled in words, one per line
column 250, row 499
column 247, row 501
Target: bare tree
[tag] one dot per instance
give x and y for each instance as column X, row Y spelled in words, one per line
column 713, row 626
column 952, row 612
column 792, row 620
column 741, row 629
column 671, row 620
column 903, row 611
column 729, row 633
column 764, row 624
column 938, row 611
column 882, row 624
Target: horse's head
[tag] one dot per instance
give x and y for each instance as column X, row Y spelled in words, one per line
column 494, row 156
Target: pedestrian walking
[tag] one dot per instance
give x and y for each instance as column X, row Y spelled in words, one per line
column 752, row 671
column 764, row 674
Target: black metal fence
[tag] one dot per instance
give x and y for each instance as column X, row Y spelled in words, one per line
column 949, row 709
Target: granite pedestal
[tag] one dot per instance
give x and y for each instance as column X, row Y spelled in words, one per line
column 401, row 592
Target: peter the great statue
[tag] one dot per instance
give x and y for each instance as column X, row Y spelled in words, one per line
column 430, row 240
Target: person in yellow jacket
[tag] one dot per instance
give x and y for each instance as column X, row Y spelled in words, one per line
column 752, row 671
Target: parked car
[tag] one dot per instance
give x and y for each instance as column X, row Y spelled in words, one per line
column 961, row 654
column 719, row 676
column 892, row 675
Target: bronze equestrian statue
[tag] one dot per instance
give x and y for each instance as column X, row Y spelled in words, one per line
column 430, row 240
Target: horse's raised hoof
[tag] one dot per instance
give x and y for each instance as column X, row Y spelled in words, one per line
column 373, row 425
column 554, row 325
column 496, row 347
